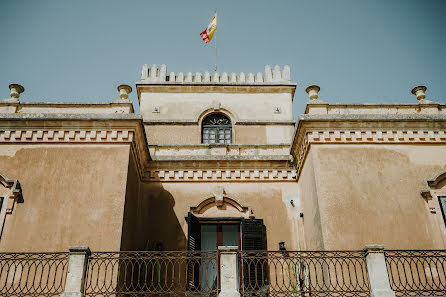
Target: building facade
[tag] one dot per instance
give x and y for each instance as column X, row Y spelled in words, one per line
column 216, row 160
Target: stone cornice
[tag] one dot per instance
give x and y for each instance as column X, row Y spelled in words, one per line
column 77, row 129
column 70, row 116
column 365, row 129
column 402, row 107
column 117, row 106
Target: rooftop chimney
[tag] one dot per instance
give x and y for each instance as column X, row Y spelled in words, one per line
column 313, row 92
column 420, row 92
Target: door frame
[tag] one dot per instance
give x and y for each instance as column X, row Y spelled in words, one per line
column 219, row 221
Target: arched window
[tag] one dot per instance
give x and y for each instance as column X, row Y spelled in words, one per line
column 216, row 128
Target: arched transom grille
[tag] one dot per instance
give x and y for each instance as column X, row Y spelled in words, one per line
column 216, row 128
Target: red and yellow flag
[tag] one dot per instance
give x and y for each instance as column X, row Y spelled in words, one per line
column 209, row 32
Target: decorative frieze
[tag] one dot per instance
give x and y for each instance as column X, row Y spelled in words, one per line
column 223, row 175
column 386, row 136
column 12, row 136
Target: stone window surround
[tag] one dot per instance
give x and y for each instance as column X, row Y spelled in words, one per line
column 11, row 197
column 432, row 193
column 216, row 110
column 217, row 128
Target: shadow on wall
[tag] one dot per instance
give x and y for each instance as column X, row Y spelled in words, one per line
column 163, row 224
column 149, row 221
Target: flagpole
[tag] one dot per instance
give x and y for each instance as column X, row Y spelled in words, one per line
column 216, row 50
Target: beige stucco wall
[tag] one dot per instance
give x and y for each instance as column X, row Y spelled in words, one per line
column 170, row 202
column 241, row 134
column 371, row 194
column 73, row 195
column 309, row 206
column 135, row 228
column 240, row 107
column 173, row 134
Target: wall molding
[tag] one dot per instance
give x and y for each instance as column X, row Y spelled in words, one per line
column 222, row 175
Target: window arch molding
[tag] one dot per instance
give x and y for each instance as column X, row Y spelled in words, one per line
column 211, row 111
column 229, row 114
column 433, row 185
column 434, row 194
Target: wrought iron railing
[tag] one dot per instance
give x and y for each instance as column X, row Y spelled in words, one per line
column 185, row 273
column 32, row 274
column 417, row 273
column 339, row 273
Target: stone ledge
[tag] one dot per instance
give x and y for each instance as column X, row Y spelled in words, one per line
column 69, row 116
column 222, row 158
column 374, row 104
column 373, row 117
column 246, row 123
column 70, row 103
column 203, row 145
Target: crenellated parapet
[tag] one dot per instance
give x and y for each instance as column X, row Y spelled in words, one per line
column 159, row 75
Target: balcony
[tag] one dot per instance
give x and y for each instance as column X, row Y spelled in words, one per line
column 370, row 272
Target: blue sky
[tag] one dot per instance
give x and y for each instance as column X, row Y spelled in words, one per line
column 355, row 50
